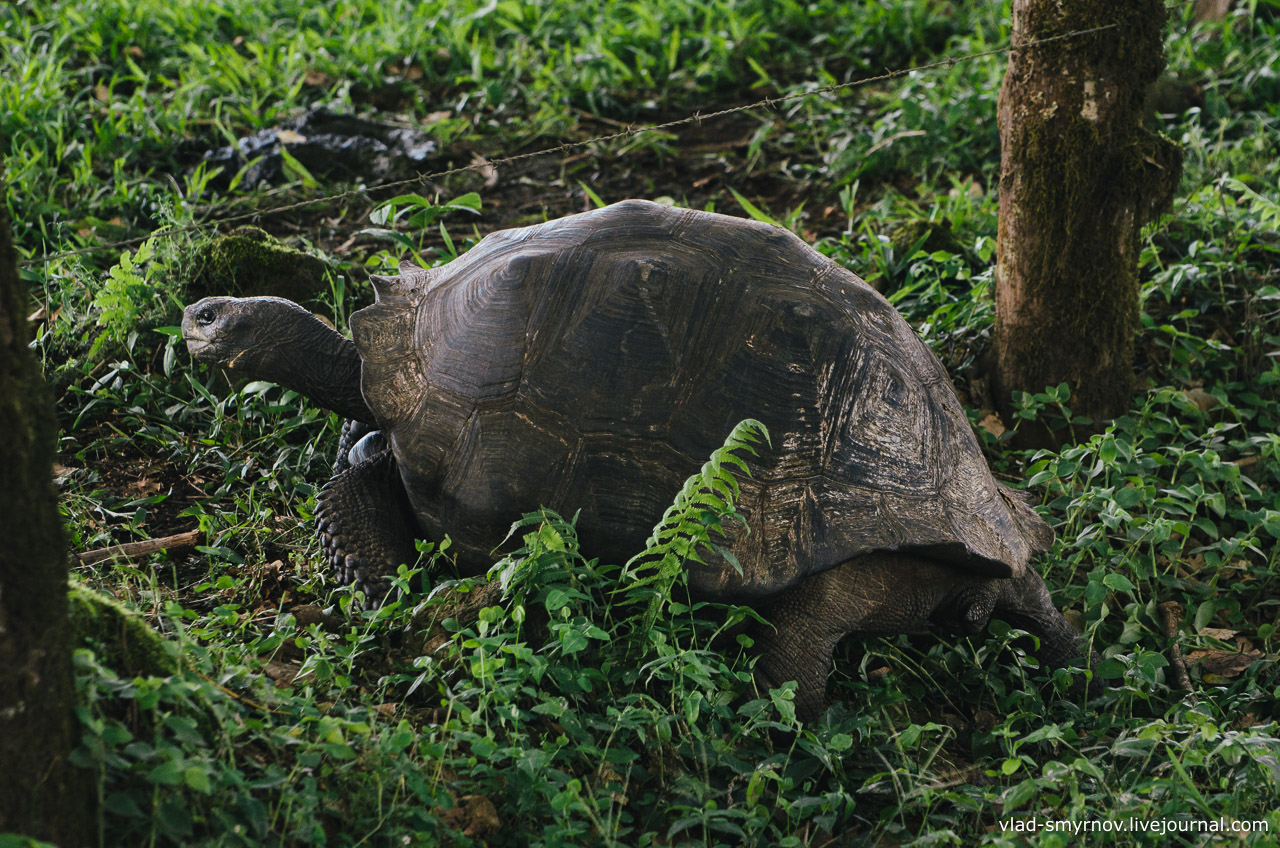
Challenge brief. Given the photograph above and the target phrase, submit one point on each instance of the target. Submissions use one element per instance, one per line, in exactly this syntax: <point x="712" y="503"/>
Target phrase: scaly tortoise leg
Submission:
<point x="887" y="594"/>
<point x="362" y="519"/>
<point x="353" y="433"/>
<point x="1025" y="603"/>
<point x="876" y="593"/>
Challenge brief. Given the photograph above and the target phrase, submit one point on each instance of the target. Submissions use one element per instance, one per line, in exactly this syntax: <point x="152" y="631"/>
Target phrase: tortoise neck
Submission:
<point x="318" y="362"/>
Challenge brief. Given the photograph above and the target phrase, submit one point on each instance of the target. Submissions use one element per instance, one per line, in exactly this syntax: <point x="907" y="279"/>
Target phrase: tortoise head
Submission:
<point x="269" y="338"/>
<point x="242" y="333"/>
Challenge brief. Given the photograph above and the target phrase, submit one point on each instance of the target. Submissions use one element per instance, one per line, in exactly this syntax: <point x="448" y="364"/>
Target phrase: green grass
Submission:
<point x="558" y="715"/>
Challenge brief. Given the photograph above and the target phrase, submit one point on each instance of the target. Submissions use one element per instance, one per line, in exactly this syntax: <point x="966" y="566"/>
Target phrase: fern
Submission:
<point x="130" y="287"/>
<point x="705" y="502"/>
<point x="549" y="571"/>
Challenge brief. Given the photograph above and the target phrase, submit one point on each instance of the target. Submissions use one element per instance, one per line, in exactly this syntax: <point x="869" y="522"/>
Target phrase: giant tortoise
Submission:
<point x="591" y="363"/>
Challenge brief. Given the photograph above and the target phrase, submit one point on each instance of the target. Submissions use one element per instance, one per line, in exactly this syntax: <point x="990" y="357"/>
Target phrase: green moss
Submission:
<point x="924" y="234"/>
<point x="1083" y="183"/>
<point x="248" y="262"/>
<point x="121" y="637"/>
<point x="1134" y="46"/>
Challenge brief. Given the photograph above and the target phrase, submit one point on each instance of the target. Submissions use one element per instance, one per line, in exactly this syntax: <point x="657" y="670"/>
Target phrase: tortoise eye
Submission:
<point x="206" y="316"/>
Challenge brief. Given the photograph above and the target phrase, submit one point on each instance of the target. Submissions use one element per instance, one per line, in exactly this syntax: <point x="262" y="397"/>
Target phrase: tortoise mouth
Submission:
<point x="193" y="333"/>
<point x="196" y="340"/>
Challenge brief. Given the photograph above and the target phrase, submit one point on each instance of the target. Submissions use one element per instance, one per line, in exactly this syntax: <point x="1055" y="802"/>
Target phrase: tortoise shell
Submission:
<point x="592" y="363"/>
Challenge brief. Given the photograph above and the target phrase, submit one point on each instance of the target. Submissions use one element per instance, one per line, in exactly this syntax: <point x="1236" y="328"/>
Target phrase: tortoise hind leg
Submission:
<point x="795" y="645"/>
<point x="362" y="519"/>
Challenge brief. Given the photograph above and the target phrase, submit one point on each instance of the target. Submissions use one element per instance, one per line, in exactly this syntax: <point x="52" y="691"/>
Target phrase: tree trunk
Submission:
<point x="41" y="793"/>
<point x="1079" y="177"/>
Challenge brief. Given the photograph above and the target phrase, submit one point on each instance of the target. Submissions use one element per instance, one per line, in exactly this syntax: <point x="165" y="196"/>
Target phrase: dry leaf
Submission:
<point x="145" y="485"/>
<point x="282" y="673"/>
<point x="1201" y="399"/>
<point x="309" y="614"/>
<point x="1220" y="666"/>
<point x="475" y="816"/>
<point x="408" y="70"/>
<point x="609" y="776"/>
<point x="290" y="137"/>
<point x="879" y="673"/>
<point x="970" y="187"/>
<point x="1194" y="563"/>
<point x="992" y="424"/>
<point x="484" y="169"/>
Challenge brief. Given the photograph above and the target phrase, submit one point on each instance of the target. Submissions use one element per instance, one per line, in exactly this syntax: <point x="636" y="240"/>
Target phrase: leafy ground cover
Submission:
<point x="561" y="716"/>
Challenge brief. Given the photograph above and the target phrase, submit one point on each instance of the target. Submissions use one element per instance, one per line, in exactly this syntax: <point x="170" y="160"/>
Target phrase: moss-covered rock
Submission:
<point x="924" y="234"/>
<point x="121" y="638"/>
<point x="931" y="236"/>
<point x="248" y="262"/>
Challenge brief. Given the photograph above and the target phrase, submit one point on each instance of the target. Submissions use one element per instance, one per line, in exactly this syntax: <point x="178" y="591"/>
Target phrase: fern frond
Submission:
<point x="701" y="506"/>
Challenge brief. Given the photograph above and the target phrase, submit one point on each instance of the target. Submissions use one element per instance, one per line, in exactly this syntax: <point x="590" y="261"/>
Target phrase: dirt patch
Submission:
<point x="124" y="480"/>
<point x="694" y="165"/>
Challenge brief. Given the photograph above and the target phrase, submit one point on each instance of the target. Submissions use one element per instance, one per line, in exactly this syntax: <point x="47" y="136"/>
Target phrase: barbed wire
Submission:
<point x="564" y="147"/>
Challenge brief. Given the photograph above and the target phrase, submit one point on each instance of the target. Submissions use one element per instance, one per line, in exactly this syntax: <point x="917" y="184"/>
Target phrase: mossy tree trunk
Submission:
<point x="41" y="793"/>
<point x="1079" y="177"/>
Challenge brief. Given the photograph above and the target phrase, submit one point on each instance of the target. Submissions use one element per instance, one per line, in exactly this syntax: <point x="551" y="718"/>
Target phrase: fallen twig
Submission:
<point x="1170" y="618"/>
<point x="133" y="550"/>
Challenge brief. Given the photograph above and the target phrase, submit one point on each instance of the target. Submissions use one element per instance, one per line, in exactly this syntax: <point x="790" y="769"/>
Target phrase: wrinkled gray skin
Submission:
<point x="278" y="341"/>
<point x="890" y="593"/>
<point x="362" y="514"/>
<point x="365" y="517"/>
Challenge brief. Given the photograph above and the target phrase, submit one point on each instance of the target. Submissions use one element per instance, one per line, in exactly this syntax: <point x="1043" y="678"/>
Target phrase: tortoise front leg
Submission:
<point x="363" y="521"/>
<point x="887" y="594"/>
<point x="1025" y="604"/>
<point x="352" y="432"/>
<point x="880" y="593"/>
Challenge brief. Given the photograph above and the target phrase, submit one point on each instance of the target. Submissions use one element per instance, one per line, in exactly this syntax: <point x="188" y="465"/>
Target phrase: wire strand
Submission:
<point x="565" y="147"/>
